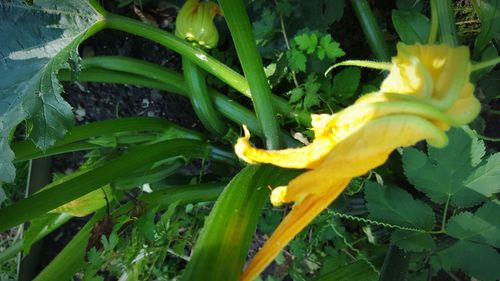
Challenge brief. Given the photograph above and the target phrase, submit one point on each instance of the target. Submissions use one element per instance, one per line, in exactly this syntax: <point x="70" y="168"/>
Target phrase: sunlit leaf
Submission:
<point x="40" y="38"/>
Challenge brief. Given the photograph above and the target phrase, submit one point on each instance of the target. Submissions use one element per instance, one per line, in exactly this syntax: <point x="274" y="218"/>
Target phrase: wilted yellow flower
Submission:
<point x="426" y="92"/>
<point x="437" y="75"/>
<point x="195" y="23"/>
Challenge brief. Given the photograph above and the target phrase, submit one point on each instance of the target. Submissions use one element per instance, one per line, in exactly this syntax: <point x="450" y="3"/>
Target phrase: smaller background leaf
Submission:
<point x="411" y="241"/>
<point x="297" y="60"/>
<point x="453" y="165"/>
<point x="412" y="27"/>
<point x="478" y="150"/>
<point x="477" y="260"/>
<point x="481" y="227"/>
<point x="396" y="206"/>
<point x="489" y="15"/>
<point x="486" y="178"/>
<point x="346" y="82"/>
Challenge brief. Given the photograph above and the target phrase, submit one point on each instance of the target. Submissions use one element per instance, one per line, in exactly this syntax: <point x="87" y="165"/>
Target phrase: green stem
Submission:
<point x="170" y="81"/>
<point x="173" y="82"/>
<point x="25" y="150"/>
<point x="446" y="18"/>
<point x="200" y="99"/>
<point x="362" y="63"/>
<point x="51" y="198"/>
<point x="476" y="135"/>
<point x="371" y="29"/>
<point x="184" y="194"/>
<point x="251" y="62"/>
<point x="485" y="64"/>
<point x="222" y="246"/>
<point x="197" y="56"/>
<point x="36" y="153"/>
<point x="434" y="24"/>
<point x="445" y="213"/>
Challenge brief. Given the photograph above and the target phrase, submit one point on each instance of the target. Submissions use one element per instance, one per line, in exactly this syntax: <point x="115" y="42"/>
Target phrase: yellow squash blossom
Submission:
<point x="427" y="91"/>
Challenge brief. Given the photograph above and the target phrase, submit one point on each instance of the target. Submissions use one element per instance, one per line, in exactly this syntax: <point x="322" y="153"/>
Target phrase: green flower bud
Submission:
<point x="195" y="23"/>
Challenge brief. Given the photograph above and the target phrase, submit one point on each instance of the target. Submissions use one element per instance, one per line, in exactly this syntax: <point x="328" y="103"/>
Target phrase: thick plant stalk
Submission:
<point x="251" y="62"/>
<point x="446" y="19"/>
<point x="371" y="29"/>
<point x="222" y="246"/>
<point x="200" y="99"/>
<point x="26" y="150"/>
<point x="199" y="57"/>
<point x="157" y="77"/>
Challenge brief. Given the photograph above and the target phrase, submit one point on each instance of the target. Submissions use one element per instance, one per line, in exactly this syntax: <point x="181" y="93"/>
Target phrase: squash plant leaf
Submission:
<point x="396" y="206"/>
<point x="29" y="61"/>
<point x="481" y="227"/>
<point x="478" y="260"/>
<point x="457" y="180"/>
<point x="411" y="241"/>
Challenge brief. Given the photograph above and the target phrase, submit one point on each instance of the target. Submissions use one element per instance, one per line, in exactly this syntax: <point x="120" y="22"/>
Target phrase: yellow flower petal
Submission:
<point x="435" y="73"/>
<point x="298" y="218"/>
<point x="466" y="108"/>
<point x="426" y="92"/>
<point x="298" y="158"/>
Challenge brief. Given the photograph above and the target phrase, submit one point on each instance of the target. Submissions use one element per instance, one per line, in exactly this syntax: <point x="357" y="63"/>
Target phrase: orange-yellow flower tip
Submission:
<point x="278" y="196"/>
<point x="243" y="145"/>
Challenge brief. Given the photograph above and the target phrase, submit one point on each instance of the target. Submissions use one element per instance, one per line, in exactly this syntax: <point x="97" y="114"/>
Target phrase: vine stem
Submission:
<point x="485" y="64"/>
<point x="434" y="24"/>
<point x="241" y="32"/>
<point x="371" y="29"/>
<point x="200" y="58"/>
<point x="445" y="213"/>
<point x="362" y="63"/>
<point x="446" y="18"/>
<point x="287" y="44"/>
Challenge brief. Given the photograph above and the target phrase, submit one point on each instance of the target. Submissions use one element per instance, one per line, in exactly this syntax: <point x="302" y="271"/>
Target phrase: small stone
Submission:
<point x="80" y="113"/>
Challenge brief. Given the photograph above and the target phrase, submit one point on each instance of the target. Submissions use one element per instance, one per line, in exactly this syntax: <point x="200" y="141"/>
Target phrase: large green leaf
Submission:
<point x="441" y="174"/>
<point x="396" y="206"/>
<point x="37" y="40"/>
